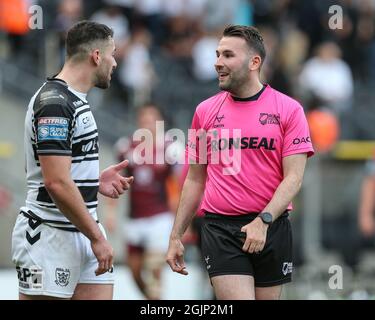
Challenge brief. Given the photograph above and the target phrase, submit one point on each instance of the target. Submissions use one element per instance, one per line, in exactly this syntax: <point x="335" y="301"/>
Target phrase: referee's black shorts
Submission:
<point x="222" y="249"/>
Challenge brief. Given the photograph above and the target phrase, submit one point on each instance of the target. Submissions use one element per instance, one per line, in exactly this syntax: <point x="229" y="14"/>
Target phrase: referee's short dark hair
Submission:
<point x="251" y="35"/>
<point x="83" y="37"/>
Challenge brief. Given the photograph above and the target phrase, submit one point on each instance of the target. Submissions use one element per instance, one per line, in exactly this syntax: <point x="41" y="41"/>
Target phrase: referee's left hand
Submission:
<point x="256" y="234"/>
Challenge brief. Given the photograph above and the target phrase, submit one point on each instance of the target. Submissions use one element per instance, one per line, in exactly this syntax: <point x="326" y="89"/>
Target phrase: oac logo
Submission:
<point x="62" y="277"/>
<point x="301" y="140"/>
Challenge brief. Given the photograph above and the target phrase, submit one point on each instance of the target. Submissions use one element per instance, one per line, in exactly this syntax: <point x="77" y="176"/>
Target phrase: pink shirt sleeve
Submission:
<point x="297" y="134"/>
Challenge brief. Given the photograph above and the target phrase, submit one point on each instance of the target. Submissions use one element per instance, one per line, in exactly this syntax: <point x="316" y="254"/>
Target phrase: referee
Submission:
<point x="246" y="234"/>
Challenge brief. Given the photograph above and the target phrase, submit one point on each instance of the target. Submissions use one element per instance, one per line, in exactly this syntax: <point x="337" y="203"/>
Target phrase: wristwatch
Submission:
<point x="266" y="217"/>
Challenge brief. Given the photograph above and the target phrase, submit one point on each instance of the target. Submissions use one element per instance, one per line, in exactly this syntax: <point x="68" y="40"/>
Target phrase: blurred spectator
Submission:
<point x="273" y="71"/>
<point x="14" y="19"/>
<point x="244" y="13"/>
<point x="153" y="199"/>
<point x="328" y="77"/>
<point x="69" y="12"/>
<point x="150" y="13"/>
<point x="14" y="16"/>
<point x="310" y="20"/>
<point x="187" y="30"/>
<point x="193" y="9"/>
<point x="366" y="217"/>
<point x="5" y="200"/>
<point x="112" y="17"/>
<point x="136" y="72"/>
<point x="219" y="13"/>
<point x="324" y="129"/>
<point x="204" y="56"/>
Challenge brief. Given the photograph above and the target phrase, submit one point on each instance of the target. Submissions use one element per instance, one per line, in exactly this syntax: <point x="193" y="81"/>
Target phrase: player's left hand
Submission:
<point x="111" y="183"/>
<point x="256" y="234"/>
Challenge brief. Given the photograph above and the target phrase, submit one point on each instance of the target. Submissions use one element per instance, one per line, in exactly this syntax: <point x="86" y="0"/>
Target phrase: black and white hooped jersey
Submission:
<point x="59" y="122"/>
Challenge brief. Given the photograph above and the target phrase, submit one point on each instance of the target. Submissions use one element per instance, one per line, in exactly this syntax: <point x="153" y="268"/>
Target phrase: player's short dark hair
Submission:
<point x="83" y="35"/>
<point x="251" y="35"/>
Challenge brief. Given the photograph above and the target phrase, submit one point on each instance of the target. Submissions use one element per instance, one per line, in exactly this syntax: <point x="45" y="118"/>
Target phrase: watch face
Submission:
<point x="266" y="217"/>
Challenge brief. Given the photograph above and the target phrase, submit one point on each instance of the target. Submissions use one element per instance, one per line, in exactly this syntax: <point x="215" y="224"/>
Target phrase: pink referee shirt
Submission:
<point x="246" y="141"/>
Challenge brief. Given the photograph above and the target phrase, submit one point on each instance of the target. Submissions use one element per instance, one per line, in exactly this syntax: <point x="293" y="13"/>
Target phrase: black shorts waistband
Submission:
<point x="242" y="217"/>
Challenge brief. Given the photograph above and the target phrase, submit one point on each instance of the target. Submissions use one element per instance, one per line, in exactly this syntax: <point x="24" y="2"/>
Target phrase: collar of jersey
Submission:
<point x="254" y="97"/>
<point x="57" y="80"/>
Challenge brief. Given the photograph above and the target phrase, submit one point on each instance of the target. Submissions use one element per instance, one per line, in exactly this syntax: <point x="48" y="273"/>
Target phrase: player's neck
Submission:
<point x="248" y="90"/>
<point x="76" y="76"/>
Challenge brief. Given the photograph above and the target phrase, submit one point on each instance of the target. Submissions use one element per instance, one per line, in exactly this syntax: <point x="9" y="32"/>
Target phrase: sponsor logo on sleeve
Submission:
<point x="53" y="128"/>
<point x="301" y="140"/>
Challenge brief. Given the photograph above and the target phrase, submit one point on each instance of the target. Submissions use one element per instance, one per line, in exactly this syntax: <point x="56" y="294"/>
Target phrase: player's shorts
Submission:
<point x="149" y="233"/>
<point x="52" y="261"/>
<point x="222" y="243"/>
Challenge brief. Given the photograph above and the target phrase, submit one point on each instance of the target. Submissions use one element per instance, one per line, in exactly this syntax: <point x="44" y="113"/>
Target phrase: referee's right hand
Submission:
<point x="175" y="256"/>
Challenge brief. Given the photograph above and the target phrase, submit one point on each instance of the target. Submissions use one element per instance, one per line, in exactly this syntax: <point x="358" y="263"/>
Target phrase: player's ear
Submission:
<point x="95" y="55"/>
<point x="255" y="62"/>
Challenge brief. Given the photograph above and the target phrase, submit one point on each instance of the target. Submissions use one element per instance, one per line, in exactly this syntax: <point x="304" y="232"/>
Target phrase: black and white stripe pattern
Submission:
<point x="82" y="146"/>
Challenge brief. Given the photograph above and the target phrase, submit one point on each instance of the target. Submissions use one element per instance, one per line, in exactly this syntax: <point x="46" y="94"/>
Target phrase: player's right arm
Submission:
<point x="66" y="196"/>
<point x="192" y="192"/>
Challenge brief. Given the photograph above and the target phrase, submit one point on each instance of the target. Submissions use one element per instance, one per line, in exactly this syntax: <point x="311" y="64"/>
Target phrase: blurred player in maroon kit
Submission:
<point x="153" y="201"/>
<point x="366" y="217"/>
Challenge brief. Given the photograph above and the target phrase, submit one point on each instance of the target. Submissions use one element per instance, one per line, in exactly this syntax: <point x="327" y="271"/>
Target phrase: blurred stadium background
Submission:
<point x="166" y="52"/>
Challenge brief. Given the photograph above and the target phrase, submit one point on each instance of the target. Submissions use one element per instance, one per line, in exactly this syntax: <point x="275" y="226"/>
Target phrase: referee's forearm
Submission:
<point x="283" y="195"/>
<point x="190" y="198"/>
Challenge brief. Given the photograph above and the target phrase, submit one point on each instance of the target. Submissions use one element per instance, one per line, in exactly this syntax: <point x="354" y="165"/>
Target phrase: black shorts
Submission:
<point x="222" y="249"/>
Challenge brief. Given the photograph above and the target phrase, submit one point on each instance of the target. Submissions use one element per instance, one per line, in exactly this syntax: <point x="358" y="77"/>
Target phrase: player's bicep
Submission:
<point x="294" y="165"/>
<point x="55" y="168"/>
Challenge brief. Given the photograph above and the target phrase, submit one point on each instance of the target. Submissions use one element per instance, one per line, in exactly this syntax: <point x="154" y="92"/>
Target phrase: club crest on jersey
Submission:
<point x="269" y="118"/>
<point x="53" y="128"/>
<point x="62" y="276"/>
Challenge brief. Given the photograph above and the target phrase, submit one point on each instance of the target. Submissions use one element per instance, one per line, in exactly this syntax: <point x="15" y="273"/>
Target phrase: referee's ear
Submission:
<point x="255" y="63"/>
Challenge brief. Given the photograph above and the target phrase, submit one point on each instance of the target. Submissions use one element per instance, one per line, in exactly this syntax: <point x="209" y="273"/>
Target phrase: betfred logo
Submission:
<point x="53" y="120"/>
